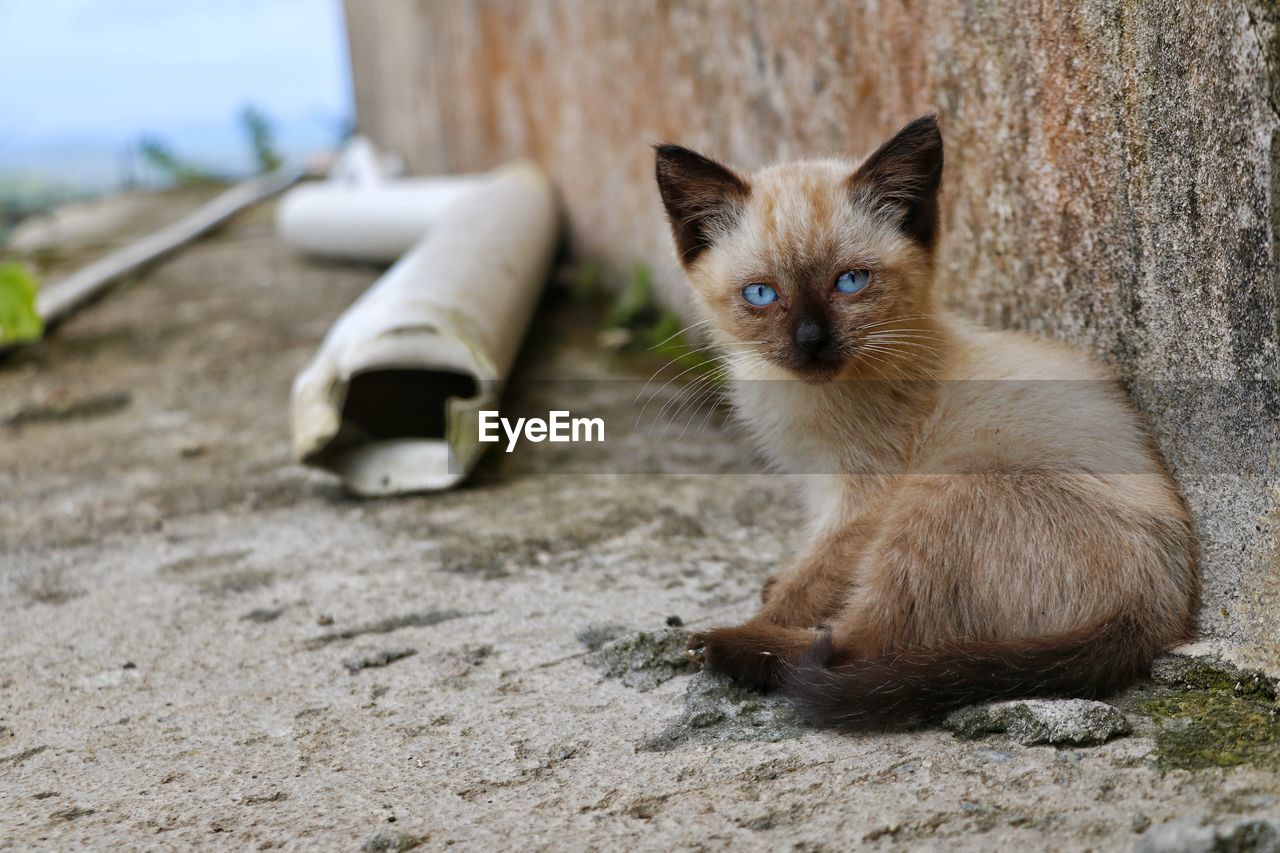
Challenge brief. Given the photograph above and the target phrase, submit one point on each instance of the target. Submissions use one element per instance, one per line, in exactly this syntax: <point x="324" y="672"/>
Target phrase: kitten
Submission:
<point x="979" y="532"/>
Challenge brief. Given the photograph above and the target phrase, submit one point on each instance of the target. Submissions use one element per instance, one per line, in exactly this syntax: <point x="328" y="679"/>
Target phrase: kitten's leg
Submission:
<point x="766" y="591"/>
<point x="804" y="596"/>
<point x="755" y="653"/>
<point x="814" y="588"/>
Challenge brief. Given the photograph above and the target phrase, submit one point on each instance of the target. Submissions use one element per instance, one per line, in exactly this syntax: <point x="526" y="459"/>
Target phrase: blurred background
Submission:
<point x="1111" y="174"/>
<point x="181" y="602"/>
<point x="105" y="95"/>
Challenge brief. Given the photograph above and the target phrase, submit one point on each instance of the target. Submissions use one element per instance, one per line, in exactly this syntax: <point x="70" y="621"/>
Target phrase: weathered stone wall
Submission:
<point x="1112" y="176"/>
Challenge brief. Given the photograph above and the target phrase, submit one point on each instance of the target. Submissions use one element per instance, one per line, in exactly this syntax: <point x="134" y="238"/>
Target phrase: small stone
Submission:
<point x="474" y="654"/>
<point x="1182" y="835"/>
<point x="324" y="620"/>
<point x="1190" y="672"/>
<point x="391" y="840"/>
<point x="1059" y="722"/>
<point x="191" y="449"/>
<point x="1196" y="834"/>
<point x="376" y="658"/>
<point x="262" y="615"/>
<point x="1257" y="834"/>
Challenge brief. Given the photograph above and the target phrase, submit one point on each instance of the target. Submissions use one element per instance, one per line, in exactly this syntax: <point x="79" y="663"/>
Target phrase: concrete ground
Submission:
<point x="202" y="644"/>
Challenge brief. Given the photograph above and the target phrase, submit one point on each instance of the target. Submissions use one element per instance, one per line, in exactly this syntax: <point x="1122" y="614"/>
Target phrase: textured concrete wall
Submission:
<point x="1112" y="177"/>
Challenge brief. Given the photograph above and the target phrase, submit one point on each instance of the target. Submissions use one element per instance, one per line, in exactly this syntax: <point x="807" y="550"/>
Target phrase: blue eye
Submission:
<point x="759" y="294"/>
<point x="852" y="281"/>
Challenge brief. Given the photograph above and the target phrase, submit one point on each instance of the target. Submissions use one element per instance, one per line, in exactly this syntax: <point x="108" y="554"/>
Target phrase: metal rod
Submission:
<point x="60" y="298"/>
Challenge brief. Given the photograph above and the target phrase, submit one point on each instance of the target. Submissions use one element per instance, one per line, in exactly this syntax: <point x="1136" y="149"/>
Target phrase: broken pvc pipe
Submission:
<point x="391" y="401"/>
<point x="361" y="213"/>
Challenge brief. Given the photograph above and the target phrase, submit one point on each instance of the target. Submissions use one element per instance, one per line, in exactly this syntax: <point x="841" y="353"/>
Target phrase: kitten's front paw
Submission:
<point x="736" y="652"/>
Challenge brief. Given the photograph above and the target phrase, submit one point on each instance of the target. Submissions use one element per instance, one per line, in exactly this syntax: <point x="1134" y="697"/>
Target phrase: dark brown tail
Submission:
<point x="912" y="686"/>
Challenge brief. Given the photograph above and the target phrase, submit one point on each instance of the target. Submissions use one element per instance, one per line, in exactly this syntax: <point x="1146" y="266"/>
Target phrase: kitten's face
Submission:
<point x="810" y="267"/>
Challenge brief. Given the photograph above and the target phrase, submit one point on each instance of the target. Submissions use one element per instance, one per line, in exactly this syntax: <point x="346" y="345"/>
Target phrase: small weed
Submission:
<point x="19" y="320"/>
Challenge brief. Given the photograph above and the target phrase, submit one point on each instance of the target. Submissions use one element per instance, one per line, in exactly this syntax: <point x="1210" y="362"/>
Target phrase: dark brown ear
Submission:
<point x="702" y="198"/>
<point x="903" y="177"/>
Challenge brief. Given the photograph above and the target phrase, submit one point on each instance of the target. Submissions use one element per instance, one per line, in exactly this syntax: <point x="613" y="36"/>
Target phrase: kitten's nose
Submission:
<point x="810" y="337"/>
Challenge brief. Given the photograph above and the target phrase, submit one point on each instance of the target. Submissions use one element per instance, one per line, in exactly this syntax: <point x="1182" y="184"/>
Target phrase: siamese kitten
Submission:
<point x="981" y="529"/>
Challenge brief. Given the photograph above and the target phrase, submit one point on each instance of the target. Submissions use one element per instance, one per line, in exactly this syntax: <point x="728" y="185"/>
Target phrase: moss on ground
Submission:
<point x="1210" y="715"/>
<point x="1193" y="673"/>
<point x="1213" y="728"/>
<point x="643" y="660"/>
<point x="718" y="711"/>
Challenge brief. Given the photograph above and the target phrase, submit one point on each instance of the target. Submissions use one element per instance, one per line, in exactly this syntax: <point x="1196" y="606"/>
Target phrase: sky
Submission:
<point x="81" y="79"/>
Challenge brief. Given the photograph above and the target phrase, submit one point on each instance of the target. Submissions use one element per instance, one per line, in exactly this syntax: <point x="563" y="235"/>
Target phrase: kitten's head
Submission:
<point x="821" y="268"/>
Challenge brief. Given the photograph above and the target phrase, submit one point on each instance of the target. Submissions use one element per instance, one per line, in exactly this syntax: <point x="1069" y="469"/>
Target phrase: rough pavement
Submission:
<point x="204" y="644"/>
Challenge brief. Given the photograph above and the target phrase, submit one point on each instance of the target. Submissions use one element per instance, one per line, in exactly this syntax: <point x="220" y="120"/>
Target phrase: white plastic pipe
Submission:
<point x="367" y="220"/>
<point x="360" y="164"/>
<point x="391" y="401"/>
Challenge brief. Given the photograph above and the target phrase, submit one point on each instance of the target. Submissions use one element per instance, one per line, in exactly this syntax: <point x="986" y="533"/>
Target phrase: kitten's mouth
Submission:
<point x="816" y="368"/>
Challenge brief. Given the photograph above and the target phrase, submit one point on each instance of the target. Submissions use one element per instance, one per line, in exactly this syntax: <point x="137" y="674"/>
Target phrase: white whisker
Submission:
<point x="723" y="366"/>
<point x="905" y="343"/>
<point x="679" y="333"/>
<point x="660" y="390"/>
<point x="690" y="393"/>
<point x="672" y="362"/>
<point x="894" y="320"/>
<point x="708" y="394"/>
<point x="864" y="354"/>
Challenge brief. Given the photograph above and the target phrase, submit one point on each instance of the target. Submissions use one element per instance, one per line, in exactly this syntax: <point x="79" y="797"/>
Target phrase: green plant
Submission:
<point x="637" y="308"/>
<point x="261" y="139"/>
<point x="18" y="318"/>
<point x="653" y="327"/>
<point x="157" y="154"/>
<point x="585" y="281"/>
